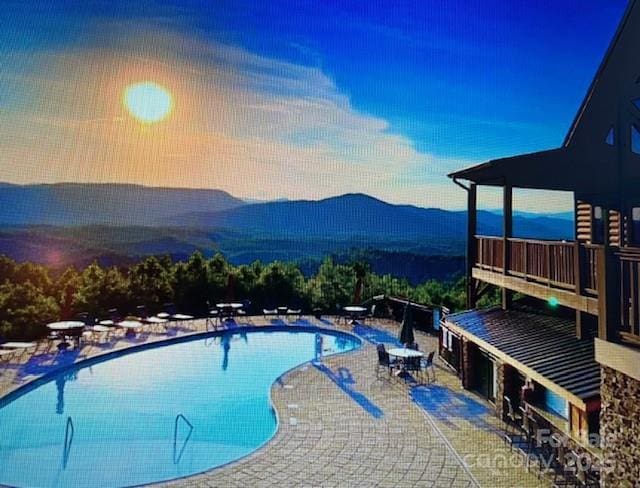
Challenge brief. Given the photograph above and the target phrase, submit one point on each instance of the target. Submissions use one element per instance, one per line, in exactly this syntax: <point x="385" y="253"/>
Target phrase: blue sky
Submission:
<point x="294" y="99"/>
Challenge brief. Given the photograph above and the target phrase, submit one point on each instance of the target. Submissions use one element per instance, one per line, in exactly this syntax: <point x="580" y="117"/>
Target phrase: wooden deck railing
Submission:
<point x="552" y="263"/>
<point x="490" y="253"/>
<point x="630" y="296"/>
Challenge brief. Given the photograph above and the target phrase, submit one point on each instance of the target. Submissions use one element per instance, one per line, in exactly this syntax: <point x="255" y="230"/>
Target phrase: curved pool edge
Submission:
<point x="31" y="384"/>
<point x="274" y="409"/>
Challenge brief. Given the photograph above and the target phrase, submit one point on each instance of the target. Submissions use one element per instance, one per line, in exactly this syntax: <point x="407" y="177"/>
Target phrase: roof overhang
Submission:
<point x="563" y="169"/>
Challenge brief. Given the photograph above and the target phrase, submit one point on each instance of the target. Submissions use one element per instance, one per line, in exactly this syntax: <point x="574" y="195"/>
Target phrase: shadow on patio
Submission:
<point x="451" y="408"/>
<point x="344" y="379"/>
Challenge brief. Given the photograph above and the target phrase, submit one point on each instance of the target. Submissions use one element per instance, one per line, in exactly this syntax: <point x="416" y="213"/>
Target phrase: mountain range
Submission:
<point x="76" y="223"/>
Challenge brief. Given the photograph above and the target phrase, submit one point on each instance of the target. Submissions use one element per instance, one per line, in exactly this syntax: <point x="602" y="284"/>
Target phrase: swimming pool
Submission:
<point x="155" y="414"/>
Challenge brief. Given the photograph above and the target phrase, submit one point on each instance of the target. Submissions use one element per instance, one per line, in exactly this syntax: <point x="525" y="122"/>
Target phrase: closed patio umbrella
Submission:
<point x="406" y="331"/>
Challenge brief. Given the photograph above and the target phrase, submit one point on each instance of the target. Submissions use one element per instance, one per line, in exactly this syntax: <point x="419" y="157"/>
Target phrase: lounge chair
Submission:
<point x="295" y="309"/>
<point x="270" y="309"/>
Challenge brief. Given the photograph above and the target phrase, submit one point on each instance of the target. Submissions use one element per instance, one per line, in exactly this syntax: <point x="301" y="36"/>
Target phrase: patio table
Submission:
<point x="18" y="345"/>
<point x="67" y="328"/>
<point x="228" y="310"/>
<point x="131" y="326"/>
<point x="404" y="353"/>
<point x="65" y="325"/>
<point x="354" y="312"/>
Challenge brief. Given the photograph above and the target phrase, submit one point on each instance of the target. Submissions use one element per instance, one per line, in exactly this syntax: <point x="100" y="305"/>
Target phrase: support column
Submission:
<point x="472" y="247"/>
<point x="507" y="215"/>
<point x="468" y="364"/>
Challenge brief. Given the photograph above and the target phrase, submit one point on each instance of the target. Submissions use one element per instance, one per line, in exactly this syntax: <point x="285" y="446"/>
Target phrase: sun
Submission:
<point x="148" y="102"/>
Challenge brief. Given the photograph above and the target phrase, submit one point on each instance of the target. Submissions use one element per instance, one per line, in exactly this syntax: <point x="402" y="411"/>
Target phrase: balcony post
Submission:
<point x="507" y="215"/>
<point x="581" y="317"/>
<point x="472" y="246"/>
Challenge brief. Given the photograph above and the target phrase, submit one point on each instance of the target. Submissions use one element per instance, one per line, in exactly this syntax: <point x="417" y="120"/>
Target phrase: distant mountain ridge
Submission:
<point x="357" y="214"/>
<point x="352" y="214"/>
<point x="71" y="204"/>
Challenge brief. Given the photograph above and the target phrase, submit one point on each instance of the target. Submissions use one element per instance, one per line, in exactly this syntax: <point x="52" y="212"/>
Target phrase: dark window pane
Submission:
<point x="635" y="225"/>
<point x="635" y="139"/>
<point x="611" y="139"/>
<point x="598" y="225"/>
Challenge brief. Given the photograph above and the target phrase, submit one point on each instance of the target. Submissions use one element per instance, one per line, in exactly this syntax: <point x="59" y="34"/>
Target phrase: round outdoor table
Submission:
<point x="228" y="309"/>
<point x="131" y="326"/>
<point x="354" y="312"/>
<point x="282" y="310"/>
<point x="65" y="326"/>
<point x="233" y="306"/>
<point x="404" y="353"/>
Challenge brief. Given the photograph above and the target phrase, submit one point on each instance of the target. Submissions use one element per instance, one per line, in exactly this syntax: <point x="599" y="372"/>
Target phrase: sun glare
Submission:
<point x="148" y="102"/>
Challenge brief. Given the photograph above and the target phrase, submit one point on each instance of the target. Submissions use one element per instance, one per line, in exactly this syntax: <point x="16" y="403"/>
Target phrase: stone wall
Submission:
<point x="468" y="363"/>
<point x="620" y="429"/>
<point x="504" y="387"/>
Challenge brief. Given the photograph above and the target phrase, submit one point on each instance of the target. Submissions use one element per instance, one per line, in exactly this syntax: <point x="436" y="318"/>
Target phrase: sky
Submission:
<point x="294" y="99"/>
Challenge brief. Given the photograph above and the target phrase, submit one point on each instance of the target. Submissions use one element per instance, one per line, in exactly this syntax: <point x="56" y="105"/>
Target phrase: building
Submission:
<point x="570" y="314"/>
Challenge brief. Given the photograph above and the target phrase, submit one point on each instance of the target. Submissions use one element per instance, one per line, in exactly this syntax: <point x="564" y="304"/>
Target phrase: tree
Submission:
<point x="150" y="283"/>
<point x="100" y="290"/>
<point x="281" y="284"/>
<point x="192" y="286"/>
<point x="360" y="269"/>
<point x="64" y="291"/>
<point x="332" y="286"/>
<point x="25" y="310"/>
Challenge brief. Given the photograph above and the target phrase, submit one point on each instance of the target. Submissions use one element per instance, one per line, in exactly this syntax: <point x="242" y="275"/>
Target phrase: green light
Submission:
<point x="553" y="302"/>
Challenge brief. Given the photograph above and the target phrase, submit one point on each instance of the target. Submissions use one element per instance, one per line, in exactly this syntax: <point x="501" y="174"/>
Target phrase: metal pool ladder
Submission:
<point x="68" y="440"/>
<point x="178" y="455"/>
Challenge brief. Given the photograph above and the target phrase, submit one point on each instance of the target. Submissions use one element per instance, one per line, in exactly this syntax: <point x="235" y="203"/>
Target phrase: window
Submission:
<point x="611" y="138"/>
<point x="635" y="139"/>
<point x="635" y="226"/>
<point x="556" y="404"/>
<point x="598" y="225"/>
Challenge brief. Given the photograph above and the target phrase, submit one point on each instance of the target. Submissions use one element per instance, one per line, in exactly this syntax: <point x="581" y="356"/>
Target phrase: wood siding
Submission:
<point x="583" y="222"/>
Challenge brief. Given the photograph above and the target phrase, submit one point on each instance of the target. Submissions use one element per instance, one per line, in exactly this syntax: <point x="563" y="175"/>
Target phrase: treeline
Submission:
<point x="32" y="296"/>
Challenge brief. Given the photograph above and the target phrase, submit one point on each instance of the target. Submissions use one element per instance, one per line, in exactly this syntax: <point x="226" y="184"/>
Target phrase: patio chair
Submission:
<point x="384" y="360"/>
<point x="6" y="353"/>
<point x="91" y="327"/>
<point x="170" y="313"/>
<point x="427" y="365"/>
<point x="213" y="316"/>
<point x="512" y="421"/>
<point x="113" y="318"/>
<point x="143" y="316"/>
<point x="413" y="365"/>
<point x="246" y="306"/>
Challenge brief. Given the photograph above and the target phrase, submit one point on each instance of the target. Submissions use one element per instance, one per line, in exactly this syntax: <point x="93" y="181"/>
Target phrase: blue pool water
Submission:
<point x="123" y="410"/>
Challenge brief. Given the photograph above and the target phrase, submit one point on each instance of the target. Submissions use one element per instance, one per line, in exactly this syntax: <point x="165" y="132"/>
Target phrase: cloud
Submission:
<point x="255" y="126"/>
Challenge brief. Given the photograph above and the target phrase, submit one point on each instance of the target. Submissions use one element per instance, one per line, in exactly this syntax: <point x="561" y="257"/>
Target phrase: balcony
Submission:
<point x="566" y="271"/>
<point x="630" y="296"/>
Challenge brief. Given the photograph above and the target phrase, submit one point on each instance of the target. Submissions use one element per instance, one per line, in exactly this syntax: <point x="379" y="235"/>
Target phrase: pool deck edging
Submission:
<point x="32" y="383"/>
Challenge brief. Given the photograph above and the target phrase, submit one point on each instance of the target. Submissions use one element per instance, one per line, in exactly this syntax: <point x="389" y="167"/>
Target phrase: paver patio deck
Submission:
<point x="342" y="425"/>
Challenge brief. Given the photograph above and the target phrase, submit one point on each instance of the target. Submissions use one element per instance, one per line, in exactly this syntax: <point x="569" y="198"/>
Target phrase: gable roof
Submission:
<point x="585" y="162"/>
